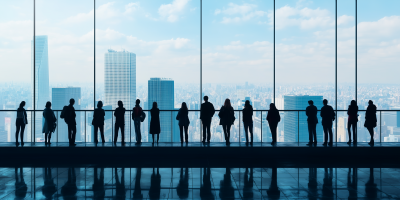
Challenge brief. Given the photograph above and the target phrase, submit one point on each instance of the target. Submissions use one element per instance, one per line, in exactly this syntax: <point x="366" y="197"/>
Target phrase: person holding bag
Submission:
<point x="138" y="116"/>
<point x="370" y="120"/>
<point x="227" y="118"/>
<point x="184" y="122"/>
<point x="49" y="125"/>
<point x="98" y="121"/>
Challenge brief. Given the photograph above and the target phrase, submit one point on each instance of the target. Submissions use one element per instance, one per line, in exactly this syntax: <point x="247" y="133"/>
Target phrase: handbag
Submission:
<point x="142" y="116"/>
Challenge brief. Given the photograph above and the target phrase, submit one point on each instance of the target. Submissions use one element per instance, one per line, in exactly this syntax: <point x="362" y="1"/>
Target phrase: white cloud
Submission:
<point x="171" y="12"/>
<point x="105" y="11"/>
<point x="243" y="13"/>
<point x="305" y="18"/>
<point x="131" y="8"/>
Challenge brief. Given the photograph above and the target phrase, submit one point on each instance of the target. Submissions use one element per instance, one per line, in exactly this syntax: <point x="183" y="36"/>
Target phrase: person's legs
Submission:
<point x="246" y="131"/>
<point x="208" y="132"/>
<point x="49" y="137"/>
<point x="45" y="137"/>
<point x="325" y="134"/>
<point x="73" y="134"/>
<point x="330" y="135"/>
<point x="349" y="130"/>
<point x="102" y="133"/>
<point x="69" y="133"/>
<point x="152" y="135"/>
<point x="225" y="134"/>
<point x="137" y="130"/>
<point x="273" y="127"/>
<point x="22" y="133"/>
<point x="314" y="131"/>
<point x="158" y="137"/>
<point x="228" y="130"/>
<point x="181" y="133"/>
<point x="122" y="133"/>
<point x="251" y="132"/>
<point x="96" y="128"/>
<point x="16" y="133"/>
<point x="116" y="133"/>
<point x="371" y="133"/>
<point x="204" y="132"/>
<point x="186" y="133"/>
<point x="355" y="131"/>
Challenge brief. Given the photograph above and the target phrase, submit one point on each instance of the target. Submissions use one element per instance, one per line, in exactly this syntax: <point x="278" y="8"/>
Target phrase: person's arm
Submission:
<point x="307" y="111"/>
<point x="115" y="113"/>
<point x="26" y="118"/>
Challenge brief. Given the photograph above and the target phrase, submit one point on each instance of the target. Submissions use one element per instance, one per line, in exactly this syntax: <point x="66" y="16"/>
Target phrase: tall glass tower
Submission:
<point x="161" y="90"/>
<point x="120" y="82"/>
<point x="292" y="127"/>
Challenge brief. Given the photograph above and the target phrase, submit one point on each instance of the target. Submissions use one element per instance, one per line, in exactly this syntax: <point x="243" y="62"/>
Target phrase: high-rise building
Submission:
<point x="120" y="82"/>
<point x="296" y="123"/>
<point x="161" y="90"/>
<point x="60" y="98"/>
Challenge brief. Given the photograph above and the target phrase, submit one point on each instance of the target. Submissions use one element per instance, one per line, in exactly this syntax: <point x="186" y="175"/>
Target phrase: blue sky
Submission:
<point x="237" y="39"/>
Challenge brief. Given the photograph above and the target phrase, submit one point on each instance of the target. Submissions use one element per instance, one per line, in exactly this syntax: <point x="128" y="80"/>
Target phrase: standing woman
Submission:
<point x="273" y="119"/>
<point x="49" y="125"/>
<point x="183" y="121"/>
<point x="352" y="112"/>
<point x="370" y="120"/>
<point x="227" y="117"/>
<point x="21" y="121"/>
<point x="98" y="121"/>
<point x="155" y="122"/>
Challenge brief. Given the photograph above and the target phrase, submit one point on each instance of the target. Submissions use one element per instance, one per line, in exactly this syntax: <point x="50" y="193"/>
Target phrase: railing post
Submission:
<point x="380" y="126"/>
<point x="130" y="127"/>
<point x="58" y="125"/>
<point x="112" y="127"/>
<point x="172" y="134"/>
<point x="261" y="128"/>
<point x="298" y="127"/>
<point x="85" y="127"/>
<point x="239" y="128"/>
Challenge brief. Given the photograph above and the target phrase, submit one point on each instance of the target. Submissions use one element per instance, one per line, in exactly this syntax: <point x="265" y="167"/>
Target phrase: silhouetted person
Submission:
<point x="312" y="183"/>
<point x="183" y="186"/>
<point x="49" y="188"/>
<point x="328" y="116"/>
<point x="49" y="125"/>
<point x="226" y="190"/>
<point x="137" y="117"/>
<point x="119" y="114"/>
<point x="98" y="184"/>
<point x="137" y="193"/>
<point x="120" y="191"/>
<point x="183" y="117"/>
<point x="155" y="128"/>
<point x="98" y="122"/>
<point x="207" y="111"/>
<point x="370" y="120"/>
<point x="312" y="120"/>
<point x="352" y="184"/>
<point x="352" y="112"/>
<point x="273" y="190"/>
<point x="20" y="122"/>
<point x="20" y="185"/>
<point x="248" y="121"/>
<point x="273" y="119"/>
<point x="371" y="191"/>
<point x="155" y="185"/>
<point x="227" y="118"/>
<point x="69" y="189"/>
<point x="248" y="184"/>
<point x="69" y="116"/>
<point x="327" y="190"/>
<point x="205" y="188"/>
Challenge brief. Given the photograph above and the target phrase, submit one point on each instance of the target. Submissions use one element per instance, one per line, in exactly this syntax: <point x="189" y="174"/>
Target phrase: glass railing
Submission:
<point x="292" y="127"/>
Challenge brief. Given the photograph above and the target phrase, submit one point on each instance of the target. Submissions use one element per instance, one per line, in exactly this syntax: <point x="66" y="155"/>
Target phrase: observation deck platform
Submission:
<point x="198" y="155"/>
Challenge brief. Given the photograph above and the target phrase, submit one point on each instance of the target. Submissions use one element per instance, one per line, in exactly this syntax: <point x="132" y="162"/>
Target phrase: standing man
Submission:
<point x="206" y="113"/>
<point x="70" y="119"/>
<point x="312" y="120"/>
<point x="119" y="114"/>
<point x="328" y="116"/>
<point x="137" y="115"/>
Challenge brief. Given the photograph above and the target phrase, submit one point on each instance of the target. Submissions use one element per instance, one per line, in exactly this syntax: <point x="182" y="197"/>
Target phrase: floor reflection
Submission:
<point x="199" y="183"/>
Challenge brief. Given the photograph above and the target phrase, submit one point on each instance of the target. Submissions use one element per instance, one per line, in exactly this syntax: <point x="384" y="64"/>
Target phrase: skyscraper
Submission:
<point x="296" y="123"/>
<point x="60" y="98"/>
<point x="120" y="82"/>
<point x="161" y="90"/>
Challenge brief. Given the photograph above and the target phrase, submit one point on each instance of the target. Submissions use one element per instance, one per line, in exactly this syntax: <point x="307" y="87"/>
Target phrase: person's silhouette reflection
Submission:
<point x="273" y="190"/>
<point x="352" y="183"/>
<point x="312" y="184"/>
<point x="68" y="191"/>
<point x="20" y="185"/>
<point x="226" y="189"/>
<point x="155" y="185"/>
<point x="137" y="193"/>
<point x="120" y="185"/>
<point x="248" y="184"/>
<point x="371" y="191"/>
<point x="98" y="184"/>
<point x="205" y="189"/>
<point x="183" y="185"/>
<point x="49" y="188"/>
<point x="327" y="190"/>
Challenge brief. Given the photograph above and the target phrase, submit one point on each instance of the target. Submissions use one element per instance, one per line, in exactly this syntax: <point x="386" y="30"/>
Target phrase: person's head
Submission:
<point x="72" y="101"/>
<point x="227" y="103"/>
<point x="154" y="104"/>
<point x="22" y="104"/>
<point x="48" y="104"/>
<point x="370" y="102"/>
<point x="247" y="103"/>
<point x="311" y="102"/>
<point x="205" y="98"/>
<point x="272" y="106"/>
<point x="100" y="104"/>
<point x="325" y="102"/>
<point x="137" y="101"/>
<point x="184" y="106"/>
<point x="120" y="104"/>
<point x="353" y="103"/>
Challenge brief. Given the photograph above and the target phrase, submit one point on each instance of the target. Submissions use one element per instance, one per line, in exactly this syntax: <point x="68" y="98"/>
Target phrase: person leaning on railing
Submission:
<point x="273" y="119"/>
<point x="20" y="123"/>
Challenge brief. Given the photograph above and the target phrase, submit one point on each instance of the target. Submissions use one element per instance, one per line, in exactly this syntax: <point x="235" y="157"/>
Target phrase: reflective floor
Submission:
<point x="199" y="183"/>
